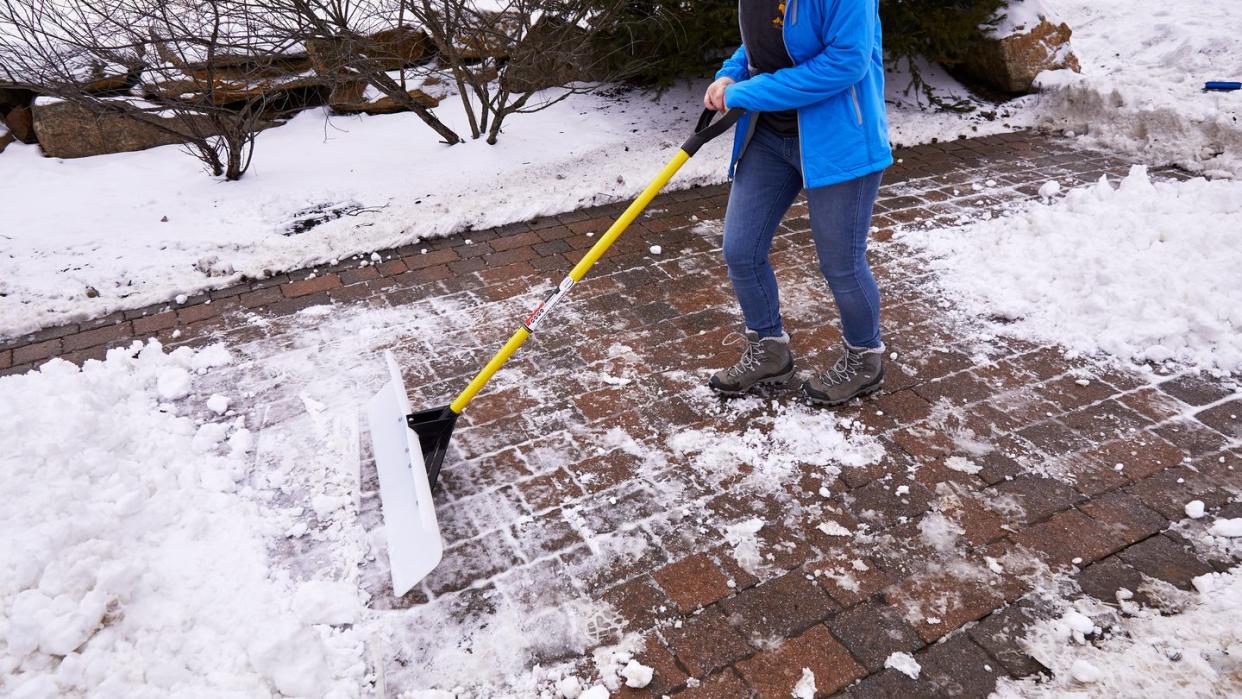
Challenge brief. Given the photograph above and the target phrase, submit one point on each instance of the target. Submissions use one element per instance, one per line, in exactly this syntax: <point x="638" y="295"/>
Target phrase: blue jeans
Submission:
<point x="767" y="180"/>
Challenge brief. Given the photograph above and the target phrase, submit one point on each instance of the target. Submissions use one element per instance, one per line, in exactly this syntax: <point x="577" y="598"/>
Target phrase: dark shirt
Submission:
<point x="762" y="23"/>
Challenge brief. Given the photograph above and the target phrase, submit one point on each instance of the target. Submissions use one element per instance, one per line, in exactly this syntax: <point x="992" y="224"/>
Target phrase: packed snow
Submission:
<point x="137" y="563"/>
<point x="1144" y="63"/>
<point x="636" y="674"/>
<point x="1229" y="528"/>
<point x="962" y="465"/>
<point x="905" y="664"/>
<point x="774" y="448"/>
<point x="1144" y="271"/>
<point x="805" y="688"/>
<point x="1094" y="651"/>
<point x="154" y="547"/>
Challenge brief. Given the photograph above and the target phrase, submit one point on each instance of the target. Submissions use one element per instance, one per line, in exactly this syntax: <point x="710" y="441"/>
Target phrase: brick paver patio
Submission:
<point x="533" y="466"/>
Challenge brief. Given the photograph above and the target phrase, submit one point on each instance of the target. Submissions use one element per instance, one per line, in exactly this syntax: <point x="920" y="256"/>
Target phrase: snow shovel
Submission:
<point x="409" y="447"/>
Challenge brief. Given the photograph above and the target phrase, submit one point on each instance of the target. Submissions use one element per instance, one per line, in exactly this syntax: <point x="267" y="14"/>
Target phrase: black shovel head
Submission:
<point x="434" y="429"/>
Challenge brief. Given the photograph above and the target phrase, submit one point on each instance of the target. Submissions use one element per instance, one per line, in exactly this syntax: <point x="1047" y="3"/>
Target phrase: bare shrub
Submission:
<point x="209" y="73"/>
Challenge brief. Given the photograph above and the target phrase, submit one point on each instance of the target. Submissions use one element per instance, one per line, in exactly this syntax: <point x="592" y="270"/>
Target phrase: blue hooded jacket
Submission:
<point x="836" y="84"/>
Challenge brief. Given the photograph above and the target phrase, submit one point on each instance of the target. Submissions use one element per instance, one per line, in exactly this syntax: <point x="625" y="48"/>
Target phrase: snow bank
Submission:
<point x="129" y="564"/>
<point x="1147" y="655"/>
<point x="1144" y="63"/>
<point x="171" y="230"/>
<point x="1145" y="271"/>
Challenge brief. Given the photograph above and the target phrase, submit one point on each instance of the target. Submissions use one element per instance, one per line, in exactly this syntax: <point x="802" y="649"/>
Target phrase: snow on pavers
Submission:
<point x="580" y="539"/>
<point x="1145" y="271"/>
<point x="1094" y="649"/>
<point x="136" y="552"/>
<point x="188" y="233"/>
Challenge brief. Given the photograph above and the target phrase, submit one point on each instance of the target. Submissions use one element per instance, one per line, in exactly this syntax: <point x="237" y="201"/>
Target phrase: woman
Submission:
<point x="810" y="76"/>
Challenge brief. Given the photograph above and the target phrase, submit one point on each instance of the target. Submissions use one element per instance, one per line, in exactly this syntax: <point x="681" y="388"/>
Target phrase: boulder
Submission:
<point x="347" y="93"/>
<point x="383" y="105"/>
<point x="487" y="34"/>
<point x="118" y="84"/>
<point x="20" y="121"/>
<point x="67" y="130"/>
<point x="390" y="49"/>
<point x="1010" y="63"/>
<point x="233" y="66"/>
<point x="282" y="94"/>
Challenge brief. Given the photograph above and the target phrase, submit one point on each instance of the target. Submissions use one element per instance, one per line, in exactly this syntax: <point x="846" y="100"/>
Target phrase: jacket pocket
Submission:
<point x="855" y="105"/>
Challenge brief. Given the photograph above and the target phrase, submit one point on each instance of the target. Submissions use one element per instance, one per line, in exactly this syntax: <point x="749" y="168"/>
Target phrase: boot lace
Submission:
<point x="845" y="369"/>
<point x="752" y="355"/>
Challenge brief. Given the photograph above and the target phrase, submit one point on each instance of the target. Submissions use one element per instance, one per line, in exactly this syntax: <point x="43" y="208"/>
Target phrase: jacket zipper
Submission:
<point x="857" y="108"/>
<point x="750" y="123"/>
<point x="791" y="17"/>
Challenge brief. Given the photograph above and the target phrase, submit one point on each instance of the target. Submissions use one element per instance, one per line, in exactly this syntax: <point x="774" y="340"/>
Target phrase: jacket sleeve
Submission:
<point x="736" y="66"/>
<point x="850" y="41"/>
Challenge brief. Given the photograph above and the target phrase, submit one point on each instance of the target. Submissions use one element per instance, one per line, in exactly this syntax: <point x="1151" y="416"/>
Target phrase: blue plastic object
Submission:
<point x="1222" y="86"/>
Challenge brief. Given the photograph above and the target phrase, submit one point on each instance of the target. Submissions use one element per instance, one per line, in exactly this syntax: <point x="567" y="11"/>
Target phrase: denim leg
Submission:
<point x="764" y="187"/>
<point x="840" y="225"/>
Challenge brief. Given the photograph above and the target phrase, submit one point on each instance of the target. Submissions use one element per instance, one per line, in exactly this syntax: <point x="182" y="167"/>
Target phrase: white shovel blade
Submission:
<point x="414" y="543"/>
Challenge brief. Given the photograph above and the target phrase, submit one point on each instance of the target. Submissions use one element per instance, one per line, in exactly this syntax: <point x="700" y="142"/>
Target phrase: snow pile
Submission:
<point x="637" y="675"/>
<point x="905" y="664"/>
<point x="1021" y="16"/>
<point x="130" y="565"/>
<point x="1144" y="655"/>
<point x="742" y="536"/>
<point x="962" y="464"/>
<point x="770" y="451"/>
<point x="1228" y="528"/>
<point x="805" y="689"/>
<point x="1144" y="63"/>
<point x="940" y="532"/>
<point x="1145" y="271"/>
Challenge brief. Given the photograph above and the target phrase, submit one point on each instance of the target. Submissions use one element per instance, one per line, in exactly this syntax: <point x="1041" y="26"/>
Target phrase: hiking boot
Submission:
<point x="859" y="372"/>
<point x="766" y="361"/>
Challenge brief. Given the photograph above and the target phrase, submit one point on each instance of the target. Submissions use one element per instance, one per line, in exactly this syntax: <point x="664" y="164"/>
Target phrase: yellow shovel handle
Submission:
<point x="577" y="274"/>
<point x="703" y="132"/>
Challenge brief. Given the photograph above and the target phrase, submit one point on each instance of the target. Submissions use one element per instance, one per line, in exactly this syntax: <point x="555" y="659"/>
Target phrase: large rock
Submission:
<point x="284" y="93"/>
<point x="233" y="66"/>
<point x="486" y="34"/>
<point x="1011" y="63"/>
<point x="20" y="121"/>
<point x="355" y="102"/>
<point x="67" y="130"/>
<point x="112" y="84"/>
<point x="390" y="49"/>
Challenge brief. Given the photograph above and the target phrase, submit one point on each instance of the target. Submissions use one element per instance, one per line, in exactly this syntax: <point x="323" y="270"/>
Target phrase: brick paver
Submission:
<point x="1085" y="479"/>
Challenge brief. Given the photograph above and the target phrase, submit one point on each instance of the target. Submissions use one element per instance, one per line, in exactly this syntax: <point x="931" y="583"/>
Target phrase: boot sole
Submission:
<point x="781" y="380"/>
<point x="862" y="393"/>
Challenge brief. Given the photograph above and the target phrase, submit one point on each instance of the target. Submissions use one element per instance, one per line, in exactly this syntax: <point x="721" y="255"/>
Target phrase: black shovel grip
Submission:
<point x="706" y="130"/>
